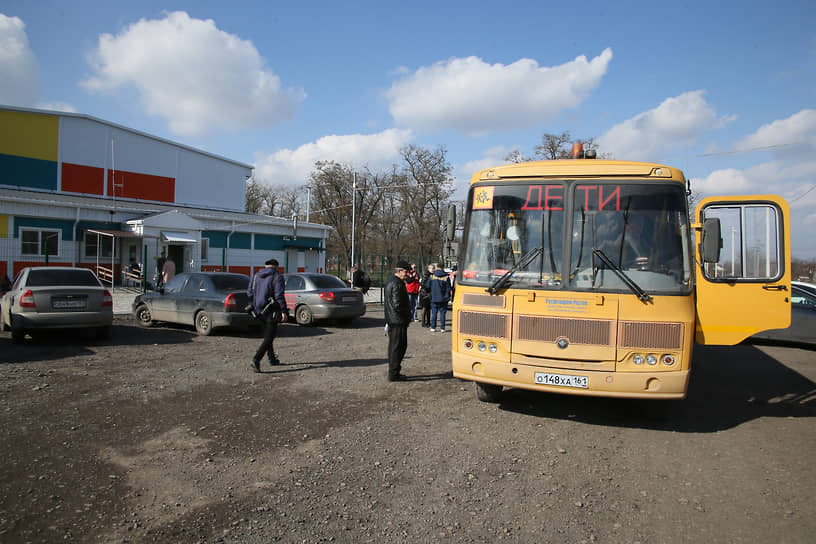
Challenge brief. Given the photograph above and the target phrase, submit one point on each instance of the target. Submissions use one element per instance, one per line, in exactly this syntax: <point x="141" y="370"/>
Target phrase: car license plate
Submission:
<point x="349" y="299"/>
<point x="561" y="380"/>
<point x="68" y="304"/>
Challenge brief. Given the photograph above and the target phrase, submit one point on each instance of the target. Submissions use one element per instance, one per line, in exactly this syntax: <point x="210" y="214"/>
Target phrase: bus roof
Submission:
<point x="579" y="168"/>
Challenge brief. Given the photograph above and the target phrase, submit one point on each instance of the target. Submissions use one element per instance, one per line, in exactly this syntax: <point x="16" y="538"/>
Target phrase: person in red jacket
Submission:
<point x="412" y="286"/>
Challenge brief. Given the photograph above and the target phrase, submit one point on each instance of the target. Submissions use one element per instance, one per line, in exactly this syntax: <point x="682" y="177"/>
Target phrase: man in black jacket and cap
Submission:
<point x="267" y="289"/>
<point x="398" y="316"/>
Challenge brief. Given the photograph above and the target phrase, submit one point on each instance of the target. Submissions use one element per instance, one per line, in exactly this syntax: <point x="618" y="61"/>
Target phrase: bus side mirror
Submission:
<point x="711" y="242"/>
<point x="450" y="227"/>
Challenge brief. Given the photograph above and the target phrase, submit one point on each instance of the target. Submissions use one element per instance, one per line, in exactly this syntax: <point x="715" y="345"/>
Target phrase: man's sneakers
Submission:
<point x="432" y="329"/>
<point x="398" y="378"/>
<point x="442" y="330"/>
<point x="274" y="361"/>
<point x="256" y="365"/>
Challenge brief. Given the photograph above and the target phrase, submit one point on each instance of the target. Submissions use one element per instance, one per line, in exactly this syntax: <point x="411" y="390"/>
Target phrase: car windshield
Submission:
<point x="587" y="235"/>
<point x="327" y="282"/>
<point x="230" y="283"/>
<point x="62" y="276"/>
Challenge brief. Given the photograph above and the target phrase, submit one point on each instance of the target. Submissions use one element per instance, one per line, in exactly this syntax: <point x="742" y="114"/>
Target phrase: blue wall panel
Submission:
<point x="25" y="172"/>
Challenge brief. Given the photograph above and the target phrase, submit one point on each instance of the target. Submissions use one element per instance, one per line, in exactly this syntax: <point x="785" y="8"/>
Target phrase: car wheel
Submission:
<point x="487" y="392"/>
<point x="303" y="315"/>
<point x="203" y="323"/>
<point x="143" y="317"/>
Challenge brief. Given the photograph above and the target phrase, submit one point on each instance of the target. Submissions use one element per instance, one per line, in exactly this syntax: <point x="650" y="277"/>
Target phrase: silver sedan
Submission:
<point x="322" y="296"/>
<point x="55" y="298"/>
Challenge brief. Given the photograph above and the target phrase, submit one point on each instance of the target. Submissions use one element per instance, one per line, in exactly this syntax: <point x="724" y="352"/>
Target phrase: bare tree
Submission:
<point x="260" y="198"/>
<point x="516" y="156"/>
<point x="426" y="195"/>
<point x="332" y="186"/>
<point x="553" y="146"/>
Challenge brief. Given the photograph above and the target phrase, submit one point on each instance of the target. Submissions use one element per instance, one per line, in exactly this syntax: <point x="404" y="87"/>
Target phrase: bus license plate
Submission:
<point x="561" y="380"/>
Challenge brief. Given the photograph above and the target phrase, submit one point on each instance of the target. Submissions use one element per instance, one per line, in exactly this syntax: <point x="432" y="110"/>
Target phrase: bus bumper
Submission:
<point x="643" y="385"/>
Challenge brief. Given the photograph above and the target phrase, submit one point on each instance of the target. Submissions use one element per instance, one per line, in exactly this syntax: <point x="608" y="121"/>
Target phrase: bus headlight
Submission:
<point x="482" y="346"/>
<point x="651" y="359"/>
<point x="638" y="359"/>
<point x="493" y="348"/>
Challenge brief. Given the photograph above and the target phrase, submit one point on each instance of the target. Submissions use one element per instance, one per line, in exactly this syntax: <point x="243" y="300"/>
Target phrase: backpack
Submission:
<point x="365" y="283"/>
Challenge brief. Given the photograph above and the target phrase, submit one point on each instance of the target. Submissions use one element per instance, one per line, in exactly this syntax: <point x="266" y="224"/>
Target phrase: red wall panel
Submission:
<point x="142" y="186"/>
<point x="83" y="179"/>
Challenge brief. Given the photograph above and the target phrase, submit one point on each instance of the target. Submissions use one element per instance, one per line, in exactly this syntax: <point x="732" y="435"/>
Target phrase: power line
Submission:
<point x="746" y="150"/>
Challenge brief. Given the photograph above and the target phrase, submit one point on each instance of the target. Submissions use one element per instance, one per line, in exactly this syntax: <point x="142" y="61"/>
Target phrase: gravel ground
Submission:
<point x="159" y="435"/>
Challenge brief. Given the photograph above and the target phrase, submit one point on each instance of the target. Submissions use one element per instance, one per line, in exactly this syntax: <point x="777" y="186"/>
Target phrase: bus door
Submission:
<point x="572" y="327"/>
<point x="743" y="267"/>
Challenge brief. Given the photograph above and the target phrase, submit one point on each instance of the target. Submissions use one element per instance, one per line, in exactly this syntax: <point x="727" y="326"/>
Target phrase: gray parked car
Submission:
<point x="55" y="298"/>
<point x="206" y="300"/>
<point x="321" y="296"/>
<point x="803" y="319"/>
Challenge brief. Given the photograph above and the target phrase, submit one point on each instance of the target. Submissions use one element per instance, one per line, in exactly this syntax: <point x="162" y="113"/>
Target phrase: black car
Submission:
<point x="802" y="329"/>
<point x="207" y="300"/>
<point x="322" y="296"/>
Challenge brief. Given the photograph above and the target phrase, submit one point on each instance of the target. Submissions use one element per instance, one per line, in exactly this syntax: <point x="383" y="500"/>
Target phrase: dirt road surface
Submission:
<point x="159" y="435"/>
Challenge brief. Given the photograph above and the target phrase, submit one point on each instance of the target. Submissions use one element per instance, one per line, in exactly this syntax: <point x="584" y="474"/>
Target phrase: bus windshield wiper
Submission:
<point x="503" y="279"/>
<point x="641" y="294"/>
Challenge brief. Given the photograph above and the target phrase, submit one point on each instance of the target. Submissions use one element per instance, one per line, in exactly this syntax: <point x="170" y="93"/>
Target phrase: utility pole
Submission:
<point x="353" y="213"/>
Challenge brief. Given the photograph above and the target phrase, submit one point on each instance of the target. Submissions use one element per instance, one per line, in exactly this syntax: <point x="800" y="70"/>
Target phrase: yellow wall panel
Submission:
<point x="3" y="226"/>
<point x="30" y="135"/>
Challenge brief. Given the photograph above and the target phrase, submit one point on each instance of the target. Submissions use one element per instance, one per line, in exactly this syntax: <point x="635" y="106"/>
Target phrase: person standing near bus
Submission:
<point x="412" y="286"/>
<point x="440" y="296"/>
<point x="397" y="317"/>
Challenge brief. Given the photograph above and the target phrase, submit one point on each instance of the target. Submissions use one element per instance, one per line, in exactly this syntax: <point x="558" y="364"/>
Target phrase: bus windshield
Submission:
<point x="619" y="237"/>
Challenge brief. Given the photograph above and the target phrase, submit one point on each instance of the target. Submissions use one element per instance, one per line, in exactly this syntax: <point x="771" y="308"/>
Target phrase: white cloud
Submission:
<point x="469" y="95"/>
<point x="20" y="83"/>
<point x="292" y="167"/>
<point x="493" y="156"/>
<point x="798" y="128"/>
<point x="200" y="78"/>
<point x="676" y="123"/>
<point x="57" y="106"/>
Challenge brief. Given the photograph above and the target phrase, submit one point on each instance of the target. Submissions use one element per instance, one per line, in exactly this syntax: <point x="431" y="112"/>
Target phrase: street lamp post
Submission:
<point x="353" y="213"/>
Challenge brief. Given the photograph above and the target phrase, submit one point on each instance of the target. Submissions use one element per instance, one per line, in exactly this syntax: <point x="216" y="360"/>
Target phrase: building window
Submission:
<point x="39" y="242"/>
<point x="96" y="243"/>
<point x="205" y="247"/>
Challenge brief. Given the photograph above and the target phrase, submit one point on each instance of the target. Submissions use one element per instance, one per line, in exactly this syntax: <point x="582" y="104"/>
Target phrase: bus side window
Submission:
<point x="750" y="248"/>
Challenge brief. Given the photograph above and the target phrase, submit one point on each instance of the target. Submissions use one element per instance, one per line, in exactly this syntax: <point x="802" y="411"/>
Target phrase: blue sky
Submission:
<point x="725" y="91"/>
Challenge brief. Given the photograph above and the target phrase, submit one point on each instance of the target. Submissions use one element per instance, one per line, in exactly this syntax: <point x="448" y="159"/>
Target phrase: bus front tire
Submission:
<point x="487" y="392"/>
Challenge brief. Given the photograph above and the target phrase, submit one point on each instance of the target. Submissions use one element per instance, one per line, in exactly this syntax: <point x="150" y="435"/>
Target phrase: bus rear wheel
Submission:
<point x="487" y="392"/>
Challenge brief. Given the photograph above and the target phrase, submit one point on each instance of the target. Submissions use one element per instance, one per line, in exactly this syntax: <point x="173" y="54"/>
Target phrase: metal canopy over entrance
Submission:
<point x="177" y="237"/>
<point x="113" y="234"/>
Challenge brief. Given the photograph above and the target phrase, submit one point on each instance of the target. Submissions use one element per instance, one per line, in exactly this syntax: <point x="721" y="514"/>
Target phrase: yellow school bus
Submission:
<point x="588" y="277"/>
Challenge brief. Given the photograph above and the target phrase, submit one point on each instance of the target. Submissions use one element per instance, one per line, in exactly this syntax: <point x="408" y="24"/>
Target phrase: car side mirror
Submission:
<point x="711" y="241"/>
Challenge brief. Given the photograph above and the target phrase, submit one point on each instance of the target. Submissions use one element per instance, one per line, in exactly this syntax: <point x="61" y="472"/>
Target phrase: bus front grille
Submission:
<point x="577" y="331"/>
<point x="482" y="324"/>
<point x="476" y="299"/>
<point x="640" y="334"/>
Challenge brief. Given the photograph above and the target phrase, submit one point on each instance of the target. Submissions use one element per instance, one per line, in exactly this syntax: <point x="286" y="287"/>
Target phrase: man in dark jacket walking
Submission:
<point x="267" y="287"/>
<point x="397" y="317"/>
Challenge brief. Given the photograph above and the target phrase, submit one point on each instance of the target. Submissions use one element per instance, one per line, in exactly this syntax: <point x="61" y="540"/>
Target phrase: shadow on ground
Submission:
<point x="729" y="386"/>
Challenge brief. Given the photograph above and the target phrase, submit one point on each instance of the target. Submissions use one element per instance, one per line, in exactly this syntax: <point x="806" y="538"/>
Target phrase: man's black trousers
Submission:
<point x="397" y="344"/>
<point x="270" y="330"/>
